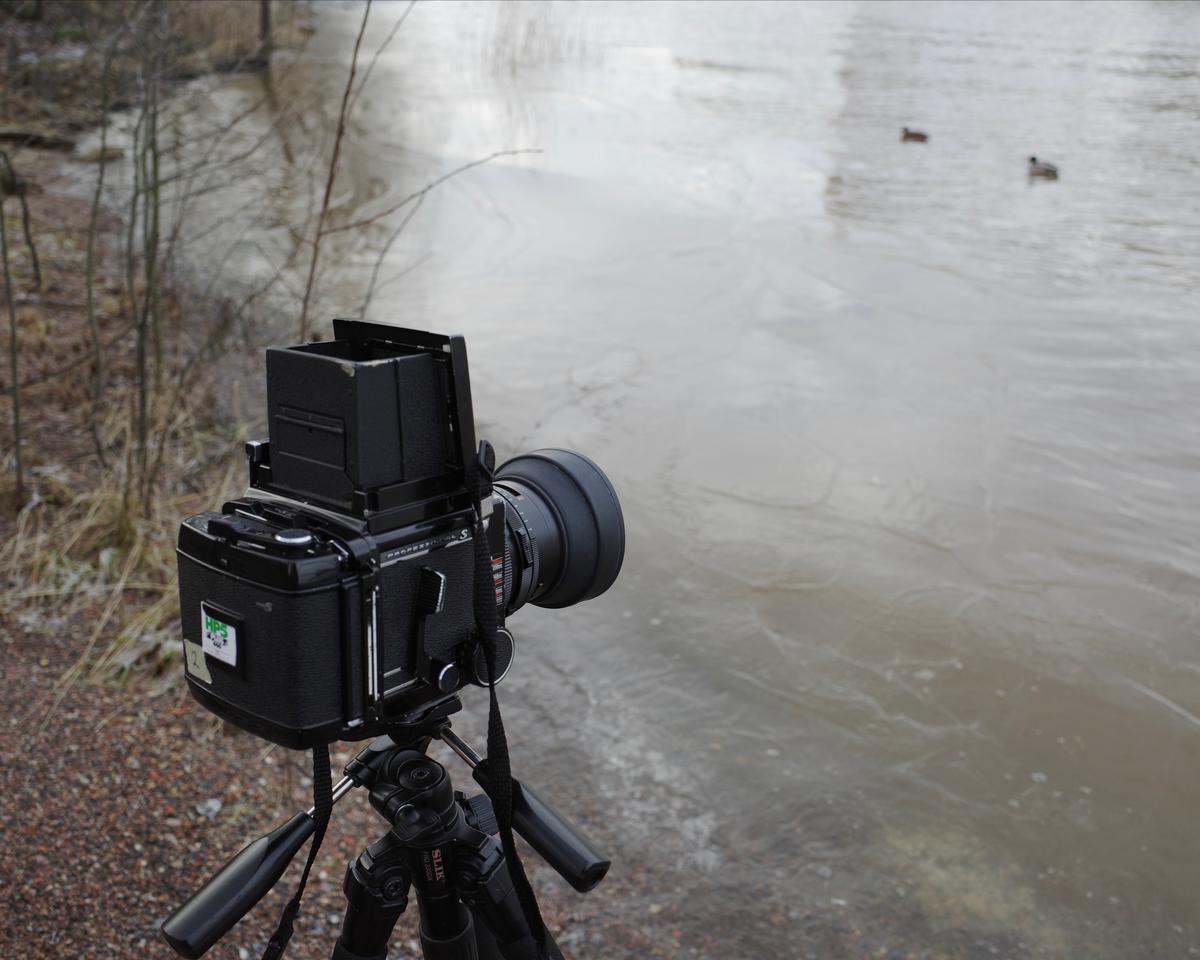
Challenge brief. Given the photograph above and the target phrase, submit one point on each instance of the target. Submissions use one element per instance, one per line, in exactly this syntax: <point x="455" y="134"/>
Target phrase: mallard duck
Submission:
<point x="1039" y="169"/>
<point x="915" y="135"/>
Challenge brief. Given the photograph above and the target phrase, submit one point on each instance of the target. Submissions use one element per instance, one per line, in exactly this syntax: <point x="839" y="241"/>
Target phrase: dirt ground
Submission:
<point x="107" y="804"/>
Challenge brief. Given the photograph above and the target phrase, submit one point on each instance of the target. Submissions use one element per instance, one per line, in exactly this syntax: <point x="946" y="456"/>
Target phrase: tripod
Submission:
<point x="439" y="845"/>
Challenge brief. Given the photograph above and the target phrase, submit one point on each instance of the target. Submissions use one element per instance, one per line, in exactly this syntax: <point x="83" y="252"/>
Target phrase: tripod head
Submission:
<point x="414" y="795"/>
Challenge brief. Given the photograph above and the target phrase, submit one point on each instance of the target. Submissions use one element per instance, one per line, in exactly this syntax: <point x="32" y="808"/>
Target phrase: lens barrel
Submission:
<point x="565" y="535"/>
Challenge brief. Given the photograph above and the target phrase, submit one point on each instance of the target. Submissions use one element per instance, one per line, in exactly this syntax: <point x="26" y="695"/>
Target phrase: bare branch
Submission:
<point x="89" y="278"/>
<point x="337" y="149"/>
<point x="12" y="185"/>
<point x="12" y="347"/>
<point x="374" y="218"/>
<point x="384" y="252"/>
<point x="420" y="261"/>
<point x="383" y="46"/>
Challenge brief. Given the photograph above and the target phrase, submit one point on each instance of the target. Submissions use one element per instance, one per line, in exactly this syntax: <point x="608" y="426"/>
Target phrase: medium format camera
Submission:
<point x="341" y="591"/>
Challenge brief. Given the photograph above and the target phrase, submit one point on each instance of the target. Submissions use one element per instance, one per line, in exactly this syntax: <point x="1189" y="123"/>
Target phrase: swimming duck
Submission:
<point x="915" y="135"/>
<point x="1039" y="169"/>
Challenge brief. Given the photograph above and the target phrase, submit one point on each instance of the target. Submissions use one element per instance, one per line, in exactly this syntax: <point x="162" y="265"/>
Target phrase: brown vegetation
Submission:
<point x="121" y="431"/>
<point x="109" y="426"/>
<point x="54" y="54"/>
<point x="79" y="538"/>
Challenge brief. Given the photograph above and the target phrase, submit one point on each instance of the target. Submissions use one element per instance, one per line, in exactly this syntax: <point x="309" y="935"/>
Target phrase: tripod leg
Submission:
<point x="376" y="888"/>
<point x="485" y="943"/>
<point x="487" y="888"/>
<point x="447" y="928"/>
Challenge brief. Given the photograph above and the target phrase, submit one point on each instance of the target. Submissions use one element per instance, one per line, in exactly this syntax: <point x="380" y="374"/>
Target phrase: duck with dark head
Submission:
<point x="1039" y="168"/>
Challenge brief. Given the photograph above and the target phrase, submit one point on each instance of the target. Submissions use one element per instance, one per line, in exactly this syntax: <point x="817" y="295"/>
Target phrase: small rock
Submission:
<point x="209" y="808"/>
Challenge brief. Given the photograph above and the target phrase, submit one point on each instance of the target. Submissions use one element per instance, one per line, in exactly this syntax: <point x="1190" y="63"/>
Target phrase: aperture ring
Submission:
<point x="529" y="563"/>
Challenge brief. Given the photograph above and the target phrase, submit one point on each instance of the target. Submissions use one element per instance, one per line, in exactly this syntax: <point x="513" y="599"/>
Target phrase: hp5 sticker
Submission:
<point x="220" y="633"/>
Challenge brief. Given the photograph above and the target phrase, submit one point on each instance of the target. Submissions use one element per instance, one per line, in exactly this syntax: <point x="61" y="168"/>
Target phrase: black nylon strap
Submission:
<point x="497" y="769"/>
<point x="322" y="807"/>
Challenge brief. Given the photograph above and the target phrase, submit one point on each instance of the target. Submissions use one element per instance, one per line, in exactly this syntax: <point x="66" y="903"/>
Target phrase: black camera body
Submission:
<point x="341" y="592"/>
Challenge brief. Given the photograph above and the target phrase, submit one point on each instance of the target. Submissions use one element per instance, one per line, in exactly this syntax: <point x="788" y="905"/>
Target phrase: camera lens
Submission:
<point x="565" y="536"/>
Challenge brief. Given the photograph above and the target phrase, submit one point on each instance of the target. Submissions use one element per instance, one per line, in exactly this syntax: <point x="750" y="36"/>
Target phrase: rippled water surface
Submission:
<point x="906" y="641"/>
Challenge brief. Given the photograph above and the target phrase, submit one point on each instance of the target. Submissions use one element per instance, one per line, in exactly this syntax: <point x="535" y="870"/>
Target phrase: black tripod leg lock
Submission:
<point x="376" y="887"/>
<point x="492" y="896"/>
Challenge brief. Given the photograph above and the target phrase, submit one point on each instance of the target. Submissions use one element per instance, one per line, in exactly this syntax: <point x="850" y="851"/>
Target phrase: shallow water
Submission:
<point x="906" y="637"/>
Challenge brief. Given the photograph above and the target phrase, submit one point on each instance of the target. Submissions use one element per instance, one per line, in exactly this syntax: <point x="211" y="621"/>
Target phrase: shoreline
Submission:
<point x="109" y="765"/>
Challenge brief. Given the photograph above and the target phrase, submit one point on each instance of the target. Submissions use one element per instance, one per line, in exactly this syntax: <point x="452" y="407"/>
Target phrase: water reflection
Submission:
<point x="904" y="657"/>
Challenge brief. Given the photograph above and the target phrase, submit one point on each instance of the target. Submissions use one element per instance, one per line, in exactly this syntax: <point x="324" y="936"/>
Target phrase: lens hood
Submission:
<point x="587" y="523"/>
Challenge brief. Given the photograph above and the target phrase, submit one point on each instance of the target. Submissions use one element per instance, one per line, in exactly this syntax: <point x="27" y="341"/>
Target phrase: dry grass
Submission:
<point x="92" y="540"/>
<point x="51" y="65"/>
<point x="86" y="547"/>
<point x="81" y="549"/>
<point x="225" y="28"/>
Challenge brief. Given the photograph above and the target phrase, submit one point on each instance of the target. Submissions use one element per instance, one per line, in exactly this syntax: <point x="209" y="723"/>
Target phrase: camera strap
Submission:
<point x="322" y="807"/>
<point x="496" y="769"/>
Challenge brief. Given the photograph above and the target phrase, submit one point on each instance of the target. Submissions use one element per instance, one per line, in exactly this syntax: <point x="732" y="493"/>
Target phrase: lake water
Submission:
<point x="904" y="658"/>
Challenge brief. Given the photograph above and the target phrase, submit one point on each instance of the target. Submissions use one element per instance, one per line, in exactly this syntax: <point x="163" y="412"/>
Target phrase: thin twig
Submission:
<point x="337" y="149"/>
<point x="396" y="277"/>
<point x="383" y="46"/>
<point x="383" y="254"/>
<point x="12" y="360"/>
<point x="25" y="227"/>
<point x="10" y="183"/>
<point x="90" y="275"/>
<point x="374" y="218"/>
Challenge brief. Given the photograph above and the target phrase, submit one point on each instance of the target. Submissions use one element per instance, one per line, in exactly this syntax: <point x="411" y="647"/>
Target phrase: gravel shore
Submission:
<point x="117" y="804"/>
